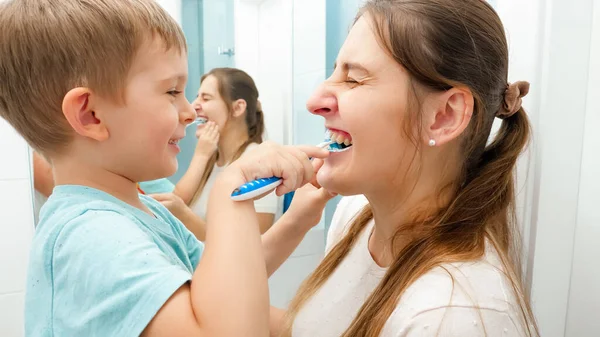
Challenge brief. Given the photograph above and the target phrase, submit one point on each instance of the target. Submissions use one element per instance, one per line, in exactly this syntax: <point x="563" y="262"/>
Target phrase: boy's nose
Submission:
<point x="187" y="113"/>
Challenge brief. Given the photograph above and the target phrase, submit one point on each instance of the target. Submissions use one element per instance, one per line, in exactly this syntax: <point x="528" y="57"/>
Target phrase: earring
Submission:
<point x="432" y="142"/>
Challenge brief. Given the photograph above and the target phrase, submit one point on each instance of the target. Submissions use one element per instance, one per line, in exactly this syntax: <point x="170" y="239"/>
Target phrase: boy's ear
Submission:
<point x="78" y="108"/>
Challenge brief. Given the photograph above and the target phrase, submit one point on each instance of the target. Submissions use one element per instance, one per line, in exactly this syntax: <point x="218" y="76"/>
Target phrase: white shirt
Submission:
<point x="481" y="296"/>
<point x="267" y="204"/>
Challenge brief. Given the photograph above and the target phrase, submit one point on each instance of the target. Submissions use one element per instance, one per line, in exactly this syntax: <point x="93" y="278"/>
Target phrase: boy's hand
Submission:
<point x="208" y="139"/>
<point x="309" y="201"/>
<point x="291" y="163"/>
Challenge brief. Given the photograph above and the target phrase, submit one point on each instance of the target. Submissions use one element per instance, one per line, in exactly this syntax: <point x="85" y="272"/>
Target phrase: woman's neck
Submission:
<point x="230" y="142"/>
<point x="393" y="211"/>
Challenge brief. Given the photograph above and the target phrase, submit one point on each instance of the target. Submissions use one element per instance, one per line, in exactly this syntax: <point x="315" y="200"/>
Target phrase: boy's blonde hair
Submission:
<point x="48" y="47"/>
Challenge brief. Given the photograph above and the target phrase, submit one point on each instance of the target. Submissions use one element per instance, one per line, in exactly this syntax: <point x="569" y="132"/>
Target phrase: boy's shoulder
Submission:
<point x="74" y="206"/>
<point x="91" y="215"/>
<point x="71" y="202"/>
<point x="92" y="244"/>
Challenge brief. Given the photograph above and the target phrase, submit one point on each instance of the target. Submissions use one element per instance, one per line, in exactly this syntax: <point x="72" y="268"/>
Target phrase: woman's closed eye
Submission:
<point x="351" y="82"/>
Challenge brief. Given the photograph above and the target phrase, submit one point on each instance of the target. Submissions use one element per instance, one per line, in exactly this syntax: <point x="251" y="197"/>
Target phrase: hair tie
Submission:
<point x="513" y="98"/>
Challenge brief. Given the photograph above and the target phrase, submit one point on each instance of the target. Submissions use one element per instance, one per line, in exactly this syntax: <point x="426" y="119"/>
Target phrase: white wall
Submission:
<point x="561" y="126"/>
<point x="173" y="7"/>
<point x="583" y="315"/>
<point x="16" y="229"/>
<point x="275" y="66"/>
<point x="263" y="44"/>
<point x="525" y="43"/>
<point x="550" y="44"/>
<point x="246" y="36"/>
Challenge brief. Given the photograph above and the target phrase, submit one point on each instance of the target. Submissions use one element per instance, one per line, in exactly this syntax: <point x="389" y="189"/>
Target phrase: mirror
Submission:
<point x="280" y="44"/>
<point x="258" y="38"/>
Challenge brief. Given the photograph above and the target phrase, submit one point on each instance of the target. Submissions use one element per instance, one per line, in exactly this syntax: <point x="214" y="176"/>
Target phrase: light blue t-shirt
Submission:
<point x="157" y="186"/>
<point x="100" y="267"/>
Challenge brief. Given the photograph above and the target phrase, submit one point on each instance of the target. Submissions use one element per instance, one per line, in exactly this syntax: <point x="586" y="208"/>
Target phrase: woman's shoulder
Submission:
<point x="250" y="147"/>
<point x="468" y="296"/>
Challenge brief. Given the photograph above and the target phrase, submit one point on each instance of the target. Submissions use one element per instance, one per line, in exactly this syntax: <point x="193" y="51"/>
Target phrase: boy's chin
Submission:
<point x="170" y="170"/>
<point x="164" y="172"/>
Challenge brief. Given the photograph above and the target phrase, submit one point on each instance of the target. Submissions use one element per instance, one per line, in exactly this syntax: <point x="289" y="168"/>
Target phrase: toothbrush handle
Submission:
<point x="259" y="187"/>
<point x="255" y="188"/>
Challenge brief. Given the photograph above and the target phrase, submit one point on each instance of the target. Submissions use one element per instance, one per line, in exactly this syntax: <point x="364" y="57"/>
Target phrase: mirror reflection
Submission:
<point x="240" y="83"/>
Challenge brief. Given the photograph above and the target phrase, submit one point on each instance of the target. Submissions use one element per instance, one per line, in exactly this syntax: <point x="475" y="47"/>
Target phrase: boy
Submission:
<point x="96" y="87"/>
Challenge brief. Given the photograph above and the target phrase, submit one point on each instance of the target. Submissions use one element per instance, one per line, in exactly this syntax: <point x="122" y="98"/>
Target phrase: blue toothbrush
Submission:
<point x="259" y="187"/>
<point x="199" y="121"/>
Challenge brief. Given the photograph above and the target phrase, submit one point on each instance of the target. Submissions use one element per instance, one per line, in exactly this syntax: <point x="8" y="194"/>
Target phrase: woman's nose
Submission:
<point x="197" y="106"/>
<point x="323" y="101"/>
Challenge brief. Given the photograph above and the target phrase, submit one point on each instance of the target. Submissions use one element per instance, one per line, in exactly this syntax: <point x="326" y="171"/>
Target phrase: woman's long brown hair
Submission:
<point x="444" y="44"/>
<point x="234" y="84"/>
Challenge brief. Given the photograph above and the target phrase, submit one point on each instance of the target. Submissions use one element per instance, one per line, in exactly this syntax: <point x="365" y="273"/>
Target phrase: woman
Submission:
<point x="228" y="99"/>
<point x="430" y="248"/>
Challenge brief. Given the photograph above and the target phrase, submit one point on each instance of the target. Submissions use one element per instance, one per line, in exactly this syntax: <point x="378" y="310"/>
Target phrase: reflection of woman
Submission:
<point x="228" y="98"/>
<point x="43" y="183"/>
<point x="429" y="250"/>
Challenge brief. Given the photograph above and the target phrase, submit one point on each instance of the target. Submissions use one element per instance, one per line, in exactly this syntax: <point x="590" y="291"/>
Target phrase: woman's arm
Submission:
<point x="188" y="184"/>
<point x="43" y="180"/>
<point x="265" y="221"/>
<point x="287" y="233"/>
<point x="208" y="138"/>
<point x="181" y="211"/>
<point x="276" y="321"/>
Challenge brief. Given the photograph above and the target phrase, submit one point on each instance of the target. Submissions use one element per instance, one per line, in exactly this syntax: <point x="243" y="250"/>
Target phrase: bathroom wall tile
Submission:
<point x="16" y="231"/>
<point x="12" y="308"/>
<point x="309" y="35"/>
<point x="285" y="282"/>
<point x="15" y="154"/>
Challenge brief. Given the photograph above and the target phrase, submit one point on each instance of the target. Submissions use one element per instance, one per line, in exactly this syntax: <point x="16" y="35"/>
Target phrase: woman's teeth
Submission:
<point x="173" y="142"/>
<point x="340" y="138"/>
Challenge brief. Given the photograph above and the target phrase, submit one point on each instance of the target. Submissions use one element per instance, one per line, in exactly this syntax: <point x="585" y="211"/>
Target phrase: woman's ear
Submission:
<point x="239" y="108"/>
<point x="450" y="117"/>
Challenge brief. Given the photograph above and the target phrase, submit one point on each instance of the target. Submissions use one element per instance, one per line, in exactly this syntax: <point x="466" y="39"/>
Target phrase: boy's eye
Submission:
<point x="174" y="92"/>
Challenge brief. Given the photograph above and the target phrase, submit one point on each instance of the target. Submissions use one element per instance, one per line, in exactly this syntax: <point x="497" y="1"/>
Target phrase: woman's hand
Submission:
<point x="173" y="203"/>
<point x="309" y="202"/>
<point x="290" y="163"/>
<point x="208" y="139"/>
